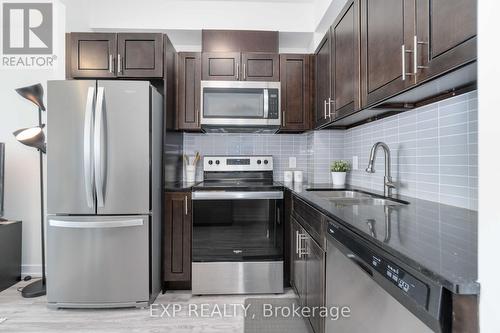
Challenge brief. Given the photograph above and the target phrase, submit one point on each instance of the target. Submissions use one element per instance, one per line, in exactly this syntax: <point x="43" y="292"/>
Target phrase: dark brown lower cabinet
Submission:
<point x="308" y="272"/>
<point x="177" y="240"/>
<point x="297" y="263"/>
<point x="315" y="281"/>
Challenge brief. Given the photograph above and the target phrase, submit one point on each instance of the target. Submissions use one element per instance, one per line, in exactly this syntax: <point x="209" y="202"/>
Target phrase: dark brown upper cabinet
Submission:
<point x="260" y="67"/>
<point x="445" y="37"/>
<point x="407" y="42"/>
<point x="295" y="73"/>
<point x="92" y="55"/>
<point x="236" y="66"/>
<point x="345" y="62"/>
<point x="140" y="55"/>
<point x="224" y="66"/>
<point x="177" y="239"/>
<point x="323" y="82"/>
<point x="188" y="73"/>
<point x="386" y="44"/>
<point x="111" y="55"/>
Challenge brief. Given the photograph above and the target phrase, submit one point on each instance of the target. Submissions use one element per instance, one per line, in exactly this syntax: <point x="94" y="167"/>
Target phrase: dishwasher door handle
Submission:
<point x="360" y="263"/>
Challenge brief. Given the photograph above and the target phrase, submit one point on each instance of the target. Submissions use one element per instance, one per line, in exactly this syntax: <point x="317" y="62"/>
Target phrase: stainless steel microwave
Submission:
<point x="240" y="106"/>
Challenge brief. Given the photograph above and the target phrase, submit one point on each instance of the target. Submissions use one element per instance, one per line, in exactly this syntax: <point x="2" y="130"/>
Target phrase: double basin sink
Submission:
<point x="355" y="197"/>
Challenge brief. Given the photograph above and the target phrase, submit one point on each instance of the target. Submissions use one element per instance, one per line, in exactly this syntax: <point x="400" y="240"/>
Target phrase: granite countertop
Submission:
<point x="438" y="240"/>
<point x="179" y="186"/>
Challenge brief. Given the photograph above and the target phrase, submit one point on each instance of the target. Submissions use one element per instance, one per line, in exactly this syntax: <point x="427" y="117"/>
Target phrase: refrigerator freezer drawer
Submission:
<point x="98" y="261"/>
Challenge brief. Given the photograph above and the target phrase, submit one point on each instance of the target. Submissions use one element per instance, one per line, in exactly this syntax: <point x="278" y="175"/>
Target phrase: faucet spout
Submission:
<point x="388" y="183"/>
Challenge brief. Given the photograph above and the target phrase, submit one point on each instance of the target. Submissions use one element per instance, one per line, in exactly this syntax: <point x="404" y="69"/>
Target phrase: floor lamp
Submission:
<point x="35" y="137"/>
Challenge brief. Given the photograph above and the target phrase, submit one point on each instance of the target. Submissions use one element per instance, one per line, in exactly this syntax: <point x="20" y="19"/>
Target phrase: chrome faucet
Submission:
<point x="388" y="183"/>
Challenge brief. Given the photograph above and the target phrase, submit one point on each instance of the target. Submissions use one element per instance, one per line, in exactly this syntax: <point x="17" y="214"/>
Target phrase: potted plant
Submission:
<point x="339" y="170"/>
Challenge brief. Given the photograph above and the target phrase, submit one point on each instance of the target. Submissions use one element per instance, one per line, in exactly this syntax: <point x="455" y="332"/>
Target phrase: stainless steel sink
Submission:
<point x="333" y="194"/>
<point x="354" y="197"/>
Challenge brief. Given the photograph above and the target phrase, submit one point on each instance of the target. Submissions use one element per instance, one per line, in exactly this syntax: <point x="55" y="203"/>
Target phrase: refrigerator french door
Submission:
<point x="104" y="190"/>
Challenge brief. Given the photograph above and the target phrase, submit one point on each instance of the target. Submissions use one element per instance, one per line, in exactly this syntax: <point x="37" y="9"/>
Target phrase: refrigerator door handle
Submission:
<point x="98" y="149"/>
<point x="96" y="225"/>
<point x="87" y="148"/>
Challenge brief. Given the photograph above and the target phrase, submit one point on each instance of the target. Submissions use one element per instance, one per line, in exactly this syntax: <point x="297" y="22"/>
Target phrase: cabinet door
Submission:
<point x="177" y="236"/>
<point x="223" y="66"/>
<point x="140" y="55"/>
<point x="188" y="90"/>
<point x="386" y="45"/>
<point x="93" y="55"/>
<point x="315" y="281"/>
<point x="345" y="61"/>
<point x="295" y="91"/>
<point x="260" y="67"/>
<point x="298" y="261"/>
<point x="323" y="82"/>
<point x="446" y="35"/>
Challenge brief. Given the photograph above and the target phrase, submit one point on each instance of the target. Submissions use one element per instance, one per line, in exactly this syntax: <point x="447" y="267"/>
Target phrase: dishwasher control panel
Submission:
<point x="406" y="282"/>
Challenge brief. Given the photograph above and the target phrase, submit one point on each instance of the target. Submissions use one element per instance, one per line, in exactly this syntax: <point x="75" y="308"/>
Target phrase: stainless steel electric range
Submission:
<point x="237" y="227"/>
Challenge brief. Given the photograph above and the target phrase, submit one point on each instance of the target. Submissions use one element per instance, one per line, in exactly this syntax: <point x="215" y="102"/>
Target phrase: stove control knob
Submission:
<point x="210" y="162"/>
<point x="266" y="161"/>
<point x="217" y="162"/>
<point x="259" y="161"/>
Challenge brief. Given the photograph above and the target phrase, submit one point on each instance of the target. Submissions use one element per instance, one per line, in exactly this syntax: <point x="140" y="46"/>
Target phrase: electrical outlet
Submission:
<point x="292" y="162"/>
<point x="355" y="163"/>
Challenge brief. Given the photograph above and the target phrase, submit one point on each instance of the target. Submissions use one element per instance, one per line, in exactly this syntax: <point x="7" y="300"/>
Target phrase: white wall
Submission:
<point x="22" y="196"/>
<point x="489" y="163"/>
<point x="302" y="23"/>
<point x="202" y="14"/>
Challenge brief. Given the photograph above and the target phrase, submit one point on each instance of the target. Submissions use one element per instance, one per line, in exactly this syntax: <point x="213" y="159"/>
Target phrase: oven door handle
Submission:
<point x="237" y="195"/>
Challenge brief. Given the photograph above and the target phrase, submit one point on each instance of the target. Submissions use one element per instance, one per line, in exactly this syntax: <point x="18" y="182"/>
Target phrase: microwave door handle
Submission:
<point x="266" y="103"/>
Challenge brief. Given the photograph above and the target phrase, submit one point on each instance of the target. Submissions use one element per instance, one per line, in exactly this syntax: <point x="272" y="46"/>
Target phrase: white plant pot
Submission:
<point x="338" y="178"/>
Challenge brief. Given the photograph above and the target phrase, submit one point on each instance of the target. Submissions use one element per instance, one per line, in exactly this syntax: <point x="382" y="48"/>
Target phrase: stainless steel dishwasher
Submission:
<point x="383" y="296"/>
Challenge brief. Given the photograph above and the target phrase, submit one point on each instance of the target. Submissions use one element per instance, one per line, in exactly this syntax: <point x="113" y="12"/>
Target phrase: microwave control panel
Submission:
<point x="273" y="104"/>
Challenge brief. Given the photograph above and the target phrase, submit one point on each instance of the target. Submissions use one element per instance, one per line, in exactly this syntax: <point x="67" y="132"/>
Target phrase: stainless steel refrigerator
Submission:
<point x="104" y="148"/>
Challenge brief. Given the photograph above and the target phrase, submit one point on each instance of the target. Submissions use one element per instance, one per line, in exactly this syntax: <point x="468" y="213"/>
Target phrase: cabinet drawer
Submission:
<point x="310" y="219"/>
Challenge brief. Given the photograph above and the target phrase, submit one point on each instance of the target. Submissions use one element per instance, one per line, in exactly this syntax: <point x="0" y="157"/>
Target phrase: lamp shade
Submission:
<point x="32" y="137"/>
<point x="34" y="94"/>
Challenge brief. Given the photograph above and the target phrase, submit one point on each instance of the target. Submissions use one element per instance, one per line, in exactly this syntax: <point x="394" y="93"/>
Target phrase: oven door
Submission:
<point x="235" y="226"/>
<point x="240" y="103"/>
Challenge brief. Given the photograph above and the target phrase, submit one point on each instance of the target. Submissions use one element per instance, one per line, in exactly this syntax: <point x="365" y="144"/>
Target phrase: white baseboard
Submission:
<point x="33" y="270"/>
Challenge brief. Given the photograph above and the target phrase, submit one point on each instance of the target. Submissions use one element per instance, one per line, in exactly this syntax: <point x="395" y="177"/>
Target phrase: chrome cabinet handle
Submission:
<point x="404" y="51"/>
<point x="186" y="204"/>
<point x="119" y="65"/>
<point x="330" y="101"/>
<point x="416" y="66"/>
<point x="296" y="242"/>
<point x="98" y="167"/>
<point x="237" y="71"/>
<point x="324" y="107"/>
<point x="302" y="250"/>
<point x="244" y="71"/>
<point x="87" y="147"/>
<point x="284" y="121"/>
<point x="110" y="65"/>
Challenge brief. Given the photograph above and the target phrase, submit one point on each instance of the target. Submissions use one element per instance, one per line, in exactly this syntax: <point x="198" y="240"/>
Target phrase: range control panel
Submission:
<point x="406" y="282"/>
<point x="238" y="163"/>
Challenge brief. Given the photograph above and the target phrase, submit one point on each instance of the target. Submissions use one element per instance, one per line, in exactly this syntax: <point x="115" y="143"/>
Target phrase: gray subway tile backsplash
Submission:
<point x="434" y="151"/>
